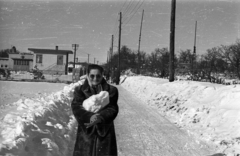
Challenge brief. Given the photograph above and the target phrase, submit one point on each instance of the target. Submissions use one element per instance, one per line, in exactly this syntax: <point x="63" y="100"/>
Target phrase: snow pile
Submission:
<point x="209" y="111"/>
<point x="129" y="72"/>
<point x="43" y="126"/>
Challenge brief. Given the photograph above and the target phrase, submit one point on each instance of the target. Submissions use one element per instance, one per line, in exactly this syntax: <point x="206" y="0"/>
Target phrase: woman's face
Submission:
<point x="95" y="76"/>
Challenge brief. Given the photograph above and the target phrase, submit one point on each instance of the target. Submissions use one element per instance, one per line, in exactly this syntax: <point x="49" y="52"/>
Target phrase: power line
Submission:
<point x="134" y="13"/>
<point x="115" y="30"/>
<point x="127" y="8"/>
<point x="115" y="26"/>
<point x="123" y="6"/>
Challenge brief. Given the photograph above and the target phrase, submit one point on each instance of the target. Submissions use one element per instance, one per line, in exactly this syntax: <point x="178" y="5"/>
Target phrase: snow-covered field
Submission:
<point x="40" y="123"/>
<point x="12" y="91"/>
<point x="208" y="111"/>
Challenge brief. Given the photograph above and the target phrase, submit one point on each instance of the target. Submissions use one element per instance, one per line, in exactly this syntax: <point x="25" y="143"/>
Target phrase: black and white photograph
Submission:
<point x="119" y="77"/>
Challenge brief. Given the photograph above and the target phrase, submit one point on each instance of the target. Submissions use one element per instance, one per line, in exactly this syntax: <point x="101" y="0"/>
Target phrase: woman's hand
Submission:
<point x="95" y="119"/>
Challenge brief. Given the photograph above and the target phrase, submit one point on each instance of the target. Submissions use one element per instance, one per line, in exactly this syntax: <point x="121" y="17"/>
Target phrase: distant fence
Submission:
<point x="28" y="76"/>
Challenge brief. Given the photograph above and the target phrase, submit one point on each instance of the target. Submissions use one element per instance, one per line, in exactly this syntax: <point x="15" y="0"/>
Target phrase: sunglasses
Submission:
<point x="97" y="76"/>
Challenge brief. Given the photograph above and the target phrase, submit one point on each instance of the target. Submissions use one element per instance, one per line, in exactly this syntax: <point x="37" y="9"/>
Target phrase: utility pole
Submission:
<point x="88" y="58"/>
<point x="75" y="47"/>
<point x="119" y="48"/>
<point x="108" y="59"/>
<point x="194" y="48"/>
<point x="172" y="39"/>
<point x="111" y="52"/>
<point x="138" y="68"/>
<point x="108" y="56"/>
<point x="94" y="60"/>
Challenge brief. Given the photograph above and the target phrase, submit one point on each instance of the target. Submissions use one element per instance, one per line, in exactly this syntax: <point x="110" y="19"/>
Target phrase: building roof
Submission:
<point x="13" y="52"/>
<point x="22" y="59"/>
<point x="50" y="51"/>
<point x="24" y="53"/>
<point x="4" y="58"/>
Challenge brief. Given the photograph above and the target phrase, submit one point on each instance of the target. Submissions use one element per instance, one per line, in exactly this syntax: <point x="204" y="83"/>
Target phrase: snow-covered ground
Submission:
<point x="12" y="91"/>
<point x="39" y="124"/>
<point x="208" y="111"/>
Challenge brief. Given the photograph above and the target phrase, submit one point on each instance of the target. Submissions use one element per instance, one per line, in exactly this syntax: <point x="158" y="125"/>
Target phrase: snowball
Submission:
<point x="96" y="102"/>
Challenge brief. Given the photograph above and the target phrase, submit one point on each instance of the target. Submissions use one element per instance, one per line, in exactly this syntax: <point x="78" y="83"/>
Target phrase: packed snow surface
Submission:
<point x="40" y="125"/>
<point x="45" y="126"/>
<point x="208" y="111"/>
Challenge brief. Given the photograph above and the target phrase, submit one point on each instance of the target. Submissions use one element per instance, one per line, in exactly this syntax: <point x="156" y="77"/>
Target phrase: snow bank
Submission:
<point x="209" y="111"/>
<point x="43" y="126"/>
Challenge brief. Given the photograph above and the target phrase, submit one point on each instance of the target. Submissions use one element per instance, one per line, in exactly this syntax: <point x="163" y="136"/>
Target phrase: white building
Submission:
<point x="51" y="61"/>
<point x="17" y="62"/>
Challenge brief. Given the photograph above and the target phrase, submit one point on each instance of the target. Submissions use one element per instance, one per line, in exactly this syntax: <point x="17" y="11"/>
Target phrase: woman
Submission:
<point x="96" y="134"/>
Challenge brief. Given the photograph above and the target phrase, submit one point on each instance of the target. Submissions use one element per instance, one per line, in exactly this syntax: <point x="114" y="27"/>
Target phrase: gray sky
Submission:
<point x="45" y="24"/>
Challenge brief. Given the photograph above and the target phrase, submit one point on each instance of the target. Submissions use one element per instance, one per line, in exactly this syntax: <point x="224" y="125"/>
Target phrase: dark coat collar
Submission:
<point x="86" y="86"/>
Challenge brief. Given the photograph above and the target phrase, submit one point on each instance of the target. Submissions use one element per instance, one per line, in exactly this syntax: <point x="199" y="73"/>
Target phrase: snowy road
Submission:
<point x="141" y="130"/>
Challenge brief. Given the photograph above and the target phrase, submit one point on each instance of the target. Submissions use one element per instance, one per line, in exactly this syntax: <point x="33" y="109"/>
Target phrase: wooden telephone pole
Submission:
<point x="172" y="40"/>
<point x="75" y="47"/>
<point x="194" y="48"/>
<point x="138" y="67"/>
<point x="110" y="56"/>
<point x="88" y="58"/>
<point x="112" y="47"/>
<point x="119" y="48"/>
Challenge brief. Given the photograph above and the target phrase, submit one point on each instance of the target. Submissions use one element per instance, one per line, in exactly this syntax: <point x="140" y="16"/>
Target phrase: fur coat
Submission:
<point x="100" y="139"/>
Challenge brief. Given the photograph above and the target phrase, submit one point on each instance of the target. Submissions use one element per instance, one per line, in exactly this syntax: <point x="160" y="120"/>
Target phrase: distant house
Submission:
<point x="51" y="61"/>
<point x="20" y="61"/>
<point x="4" y="62"/>
<point x="17" y="61"/>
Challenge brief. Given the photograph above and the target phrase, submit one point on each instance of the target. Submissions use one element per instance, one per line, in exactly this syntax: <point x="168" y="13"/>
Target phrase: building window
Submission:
<point x="59" y="59"/>
<point x="38" y="58"/>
